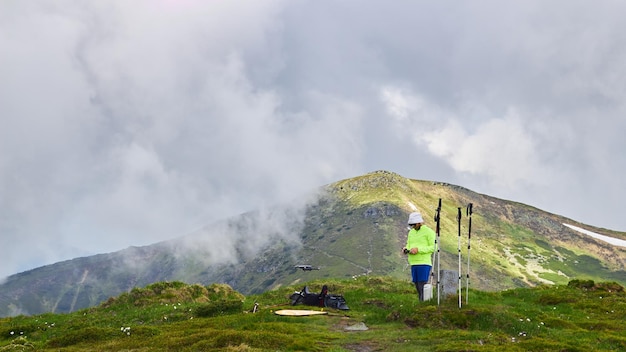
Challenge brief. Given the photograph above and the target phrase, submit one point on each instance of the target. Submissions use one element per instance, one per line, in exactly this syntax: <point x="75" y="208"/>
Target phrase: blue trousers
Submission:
<point x="420" y="273"/>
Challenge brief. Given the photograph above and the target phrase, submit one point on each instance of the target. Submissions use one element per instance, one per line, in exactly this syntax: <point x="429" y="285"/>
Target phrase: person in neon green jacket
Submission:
<point x="420" y="245"/>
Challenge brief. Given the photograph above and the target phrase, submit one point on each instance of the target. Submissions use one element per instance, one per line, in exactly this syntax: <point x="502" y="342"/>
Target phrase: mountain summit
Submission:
<point x="352" y="227"/>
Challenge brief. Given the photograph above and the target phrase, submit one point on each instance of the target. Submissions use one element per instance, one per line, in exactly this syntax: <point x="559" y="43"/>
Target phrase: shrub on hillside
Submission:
<point x="592" y="286"/>
<point x="174" y="292"/>
<point x="582" y="284"/>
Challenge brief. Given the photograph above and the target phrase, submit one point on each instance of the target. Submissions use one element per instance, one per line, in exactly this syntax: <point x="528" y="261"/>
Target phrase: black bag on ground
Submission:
<point x="336" y="301"/>
<point x="322" y="299"/>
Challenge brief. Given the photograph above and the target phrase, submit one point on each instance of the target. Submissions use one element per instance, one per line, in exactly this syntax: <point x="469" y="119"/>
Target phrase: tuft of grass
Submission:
<point x="18" y="344"/>
<point x="212" y="309"/>
<point x="89" y="334"/>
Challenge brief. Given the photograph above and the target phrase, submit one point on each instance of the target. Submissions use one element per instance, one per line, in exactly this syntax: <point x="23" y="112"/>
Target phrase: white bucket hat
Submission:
<point x="415" y="218"/>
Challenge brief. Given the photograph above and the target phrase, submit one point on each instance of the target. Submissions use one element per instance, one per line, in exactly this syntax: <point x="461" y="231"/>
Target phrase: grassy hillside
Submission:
<point x="355" y="227"/>
<point x="384" y="315"/>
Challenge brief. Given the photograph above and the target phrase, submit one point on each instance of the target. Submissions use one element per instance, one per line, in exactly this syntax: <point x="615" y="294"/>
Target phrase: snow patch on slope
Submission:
<point x="611" y="240"/>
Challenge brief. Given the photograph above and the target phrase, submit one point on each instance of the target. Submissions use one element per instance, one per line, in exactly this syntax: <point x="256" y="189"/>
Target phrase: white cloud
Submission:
<point x="502" y="149"/>
<point x="131" y="123"/>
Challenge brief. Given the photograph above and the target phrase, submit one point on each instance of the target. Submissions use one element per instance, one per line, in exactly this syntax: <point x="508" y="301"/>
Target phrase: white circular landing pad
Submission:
<point x="299" y="312"/>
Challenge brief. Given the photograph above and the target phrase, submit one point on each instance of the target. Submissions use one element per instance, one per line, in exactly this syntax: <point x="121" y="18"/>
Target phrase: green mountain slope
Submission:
<point x="355" y="227"/>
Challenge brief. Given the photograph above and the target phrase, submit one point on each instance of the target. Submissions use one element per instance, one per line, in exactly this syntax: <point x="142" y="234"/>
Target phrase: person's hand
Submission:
<point x="413" y="250"/>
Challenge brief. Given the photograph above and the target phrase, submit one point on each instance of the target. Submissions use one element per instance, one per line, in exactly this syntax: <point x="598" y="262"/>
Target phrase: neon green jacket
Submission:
<point x="424" y="240"/>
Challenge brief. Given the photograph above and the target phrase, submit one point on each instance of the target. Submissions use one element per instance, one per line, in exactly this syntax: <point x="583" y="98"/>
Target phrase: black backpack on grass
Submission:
<point x="322" y="299"/>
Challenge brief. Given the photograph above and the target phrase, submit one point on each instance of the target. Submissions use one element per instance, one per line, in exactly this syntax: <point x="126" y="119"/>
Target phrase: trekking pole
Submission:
<point x="469" y="236"/>
<point x="437" y="217"/>
<point x="458" y="220"/>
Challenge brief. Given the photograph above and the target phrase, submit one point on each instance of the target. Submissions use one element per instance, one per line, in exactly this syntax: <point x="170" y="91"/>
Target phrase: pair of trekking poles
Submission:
<point x="468" y="212"/>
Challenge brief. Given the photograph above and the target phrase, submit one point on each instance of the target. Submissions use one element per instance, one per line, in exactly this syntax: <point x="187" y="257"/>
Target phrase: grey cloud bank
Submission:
<point x="127" y="123"/>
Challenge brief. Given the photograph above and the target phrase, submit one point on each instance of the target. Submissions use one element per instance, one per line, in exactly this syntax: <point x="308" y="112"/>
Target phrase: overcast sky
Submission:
<point x="130" y="122"/>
